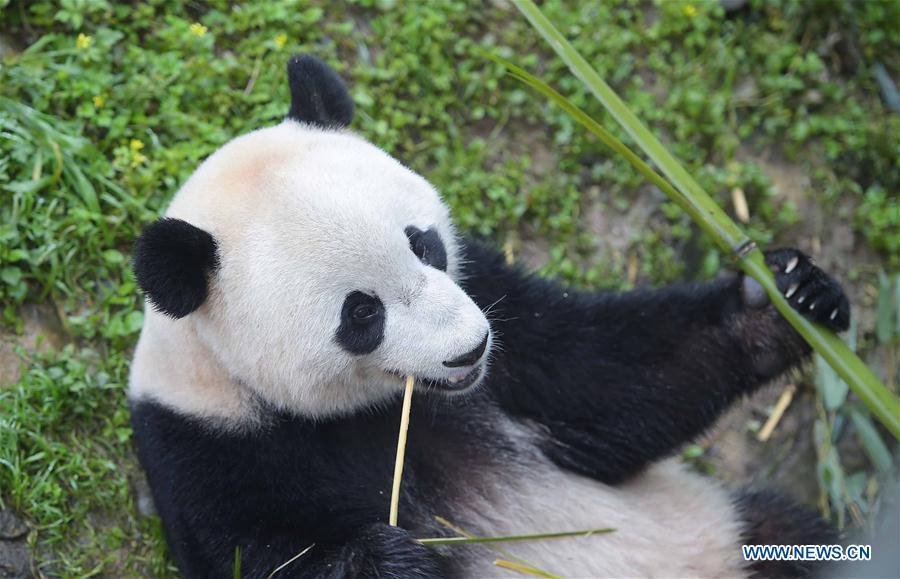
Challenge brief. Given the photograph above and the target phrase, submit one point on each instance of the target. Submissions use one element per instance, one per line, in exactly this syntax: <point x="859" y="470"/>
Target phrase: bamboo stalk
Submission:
<point x="492" y="546"/>
<point x="688" y="194"/>
<point x="511" y="538"/>
<point x="401" y="451"/>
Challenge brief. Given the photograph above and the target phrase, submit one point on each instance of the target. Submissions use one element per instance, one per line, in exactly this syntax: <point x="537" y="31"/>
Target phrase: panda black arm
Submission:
<point x="380" y="550"/>
<point x="622" y="379"/>
<point x="274" y="491"/>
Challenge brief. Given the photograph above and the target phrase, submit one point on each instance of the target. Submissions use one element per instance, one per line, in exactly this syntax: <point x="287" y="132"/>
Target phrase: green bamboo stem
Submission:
<point x="690" y="196"/>
<point x="494" y="547"/>
<point x="472" y="539"/>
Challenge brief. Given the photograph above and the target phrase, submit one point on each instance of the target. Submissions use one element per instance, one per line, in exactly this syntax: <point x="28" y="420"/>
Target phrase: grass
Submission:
<point x="105" y="108"/>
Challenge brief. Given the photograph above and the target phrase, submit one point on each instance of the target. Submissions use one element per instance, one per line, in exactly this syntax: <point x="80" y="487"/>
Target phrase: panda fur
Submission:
<point x="301" y="273"/>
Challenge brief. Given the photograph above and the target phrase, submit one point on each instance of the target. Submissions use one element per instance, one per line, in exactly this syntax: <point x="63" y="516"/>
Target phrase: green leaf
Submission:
<point x="236" y="566"/>
<point x="692" y="451"/>
<point x="834" y="390"/>
<point x="855" y="489"/>
<point x="871" y="441"/>
<point x="113" y="257"/>
<point x="11" y="275"/>
<point x="134" y="321"/>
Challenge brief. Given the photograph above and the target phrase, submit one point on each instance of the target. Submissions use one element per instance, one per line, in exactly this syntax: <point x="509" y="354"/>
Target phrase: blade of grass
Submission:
<point x="495" y="547"/>
<point x="289" y="561"/>
<point x="706" y="213"/>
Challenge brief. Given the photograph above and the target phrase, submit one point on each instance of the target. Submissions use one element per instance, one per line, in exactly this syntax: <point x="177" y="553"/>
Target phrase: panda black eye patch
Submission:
<point x="427" y="246"/>
<point x="362" y="323"/>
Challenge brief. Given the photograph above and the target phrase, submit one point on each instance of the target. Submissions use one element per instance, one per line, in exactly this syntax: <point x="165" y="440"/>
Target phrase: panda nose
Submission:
<point x="469" y="358"/>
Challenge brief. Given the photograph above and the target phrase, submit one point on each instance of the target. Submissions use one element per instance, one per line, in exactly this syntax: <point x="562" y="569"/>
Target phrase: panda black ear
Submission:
<point x="318" y="95"/>
<point x="172" y="263"/>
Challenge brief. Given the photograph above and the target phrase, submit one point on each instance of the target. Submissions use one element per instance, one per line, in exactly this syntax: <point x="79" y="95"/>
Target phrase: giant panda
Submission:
<point x="301" y="272"/>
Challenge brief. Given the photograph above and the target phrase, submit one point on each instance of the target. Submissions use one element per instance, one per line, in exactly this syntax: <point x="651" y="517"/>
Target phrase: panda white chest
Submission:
<point x="667" y="522"/>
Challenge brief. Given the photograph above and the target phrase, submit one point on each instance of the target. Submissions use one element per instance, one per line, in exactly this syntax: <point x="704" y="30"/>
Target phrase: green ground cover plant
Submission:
<point x="106" y="107"/>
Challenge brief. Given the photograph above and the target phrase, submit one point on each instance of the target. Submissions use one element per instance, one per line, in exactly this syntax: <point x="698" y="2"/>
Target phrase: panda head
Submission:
<point x="311" y="266"/>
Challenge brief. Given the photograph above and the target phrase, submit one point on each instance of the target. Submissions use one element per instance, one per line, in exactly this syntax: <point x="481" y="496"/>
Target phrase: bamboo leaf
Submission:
<point x="700" y="206"/>
<point x="704" y="210"/>
<point x="594" y="127"/>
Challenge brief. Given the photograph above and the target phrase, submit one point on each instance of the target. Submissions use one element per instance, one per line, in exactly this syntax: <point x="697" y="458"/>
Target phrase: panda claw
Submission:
<point x="809" y="289"/>
<point x="792" y="264"/>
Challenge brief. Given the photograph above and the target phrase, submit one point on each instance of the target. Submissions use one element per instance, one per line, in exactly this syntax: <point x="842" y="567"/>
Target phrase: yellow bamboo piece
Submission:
<point x="508" y="252"/>
<point x="524" y="569"/>
<point x="401" y="450"/>
<point x="783" y="402"/>
<point x="741" y="209"/>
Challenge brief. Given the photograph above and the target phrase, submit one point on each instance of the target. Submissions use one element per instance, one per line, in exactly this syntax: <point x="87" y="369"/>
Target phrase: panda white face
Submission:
<point x="337" y="272"/>
<point x="325" y="273"/>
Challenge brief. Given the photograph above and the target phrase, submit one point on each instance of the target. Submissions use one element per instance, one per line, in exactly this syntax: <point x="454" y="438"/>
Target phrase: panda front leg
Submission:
<point x="380" y="551"/>
<point x="620" y="380"/>
<point x="772" y="519"/>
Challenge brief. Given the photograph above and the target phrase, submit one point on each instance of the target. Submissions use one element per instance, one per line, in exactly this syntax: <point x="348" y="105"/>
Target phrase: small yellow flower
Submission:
<point x="136" y="145"/>
<point x="83" y="41"/>
<point x="689" y="10"/>
<point x="281" y="40"/>
<point x="99" y="100"/>
<point x="137" y="159"/>
<point x="198" y="29"/>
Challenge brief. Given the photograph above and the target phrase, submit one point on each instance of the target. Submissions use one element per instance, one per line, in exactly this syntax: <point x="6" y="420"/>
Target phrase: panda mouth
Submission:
<point x="456" y="383"/>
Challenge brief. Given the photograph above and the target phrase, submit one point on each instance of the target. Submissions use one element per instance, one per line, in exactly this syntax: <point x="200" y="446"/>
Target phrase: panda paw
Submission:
<point x="808" y="289"/>
<point x="393" y="552"/>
